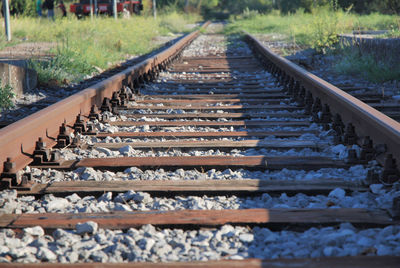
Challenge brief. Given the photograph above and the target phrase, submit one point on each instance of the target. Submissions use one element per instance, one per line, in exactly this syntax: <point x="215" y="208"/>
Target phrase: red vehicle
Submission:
<point x="105" y="7"/>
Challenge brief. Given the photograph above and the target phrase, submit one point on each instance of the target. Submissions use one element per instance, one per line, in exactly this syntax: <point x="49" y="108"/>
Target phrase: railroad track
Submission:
<point x="214" y="155"/>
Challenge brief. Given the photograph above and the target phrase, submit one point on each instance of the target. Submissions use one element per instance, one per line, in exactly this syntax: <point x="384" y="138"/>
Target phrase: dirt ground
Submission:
<point x="27" y="51"/>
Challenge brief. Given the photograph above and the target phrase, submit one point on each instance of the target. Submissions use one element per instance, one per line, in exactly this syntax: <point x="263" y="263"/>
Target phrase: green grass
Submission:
<point x="351" y="62"/>
<point x="85" y="44"/>
<point x="317" y="30"/>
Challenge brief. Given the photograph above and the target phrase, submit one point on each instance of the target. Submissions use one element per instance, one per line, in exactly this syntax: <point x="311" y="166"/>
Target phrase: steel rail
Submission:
<point x="366" y="120"/>
<point x="24" y="133"/>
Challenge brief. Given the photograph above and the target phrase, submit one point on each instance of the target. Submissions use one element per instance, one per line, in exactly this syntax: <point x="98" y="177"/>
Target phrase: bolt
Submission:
<point x="63" y="129"/>
<point x="372" y="177"/>
<point x="396" y="207"/>
<point x="106" y="106"/>
<point x="338" y="125"/>
<point x="367" y="151"/>
<point x="350" y="136"/>
<point x="352" y="156"/>
<point x="40" y="144"/>
<point x="94" y="113"/>
<point x="317" y="107"/>
<point x="308" y="103"/>
<point x="9" y="166"/>
<point x="390" y="173"/>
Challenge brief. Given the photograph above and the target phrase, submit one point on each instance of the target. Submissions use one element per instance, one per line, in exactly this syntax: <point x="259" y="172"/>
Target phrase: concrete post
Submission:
<point x="154" y="9"/>
<point x="7" y="19"/>
<point x="91" y="9"/>
<point x="115" y="9"/>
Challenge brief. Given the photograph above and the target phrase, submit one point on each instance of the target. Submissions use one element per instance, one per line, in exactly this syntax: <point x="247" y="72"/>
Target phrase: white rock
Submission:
<point x="236" y="257"/>
<point x="227" y="229"/>
<point x="331" y="251"/>
<point x="73" y="198"/>
<point x="106" y="197"/>
<point x="142" y="197"/>
<point x="45" y="254"/>
<point x="125" y="197"/>
<point x="87" y="227"/>
<point x="99" y="256"/>
<point x="89" y="174"/>
<point x="72" y="256"/>
<point x="35" y="231"/>
<point x="338" y="149"/>
<point x="338" y="193"/>
<point x="246" y="238"/>
<point x="57" y="205"/>
<point x="376" y="188"/>
<point x="126" y="150"/>
<point x="105" y="151"/>
<point x="146" y="243"/>
<point x="122" y="207"/>
<point x="365" y="242"/>
<point x="383" y="250"/>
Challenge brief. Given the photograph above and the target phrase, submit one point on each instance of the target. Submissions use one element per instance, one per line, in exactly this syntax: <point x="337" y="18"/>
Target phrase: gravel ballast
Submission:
<point x="88" y="243"/>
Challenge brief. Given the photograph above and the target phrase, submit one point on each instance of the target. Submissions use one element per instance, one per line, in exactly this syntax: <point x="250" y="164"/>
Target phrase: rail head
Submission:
<point x="366" y="120"/>
<point x="45" y="123"/>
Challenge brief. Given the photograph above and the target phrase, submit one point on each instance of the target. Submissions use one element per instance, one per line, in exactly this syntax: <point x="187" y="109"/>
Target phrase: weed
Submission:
<point x="365" y="65"/>
<point x="247" y="13"/>
<point x="318" y="29"/>
<point x="6" y="96"/>
<point x="323" y="30"/>
<point x="66" y="66"/>
<point x="86" y="44"/>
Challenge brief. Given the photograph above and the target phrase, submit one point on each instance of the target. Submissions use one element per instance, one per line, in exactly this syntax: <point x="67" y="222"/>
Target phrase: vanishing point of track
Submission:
<point x="238" y="111"/>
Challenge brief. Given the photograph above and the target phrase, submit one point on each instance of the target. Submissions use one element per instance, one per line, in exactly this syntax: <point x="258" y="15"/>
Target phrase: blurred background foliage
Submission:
<point x="225" y="8"/>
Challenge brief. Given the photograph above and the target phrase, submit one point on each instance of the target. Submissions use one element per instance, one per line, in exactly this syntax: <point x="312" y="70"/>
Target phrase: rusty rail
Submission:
<point x="24" y="133"/>
<point x="366" y="120"/>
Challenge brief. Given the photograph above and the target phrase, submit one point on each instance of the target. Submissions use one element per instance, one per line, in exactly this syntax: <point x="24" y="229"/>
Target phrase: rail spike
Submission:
<point x="301" y="96"/>
<point x="367" y="150"/>
<point x="350" y="136"/>
<point x="115" y="101"/>
<point x="396" y="208"/>
<point x="316" y="109"/>
<point x="80" y="124"/>
<point x="94" y="113"/>
<point x="10" y="178"/>
<point x="390" y="173"/>
<point x="45" y="156"/>
<point x="326" y="117"/>
<point x="106" y="105"/>
<point x="308" y="103"/>
<point x="63" y="138"/>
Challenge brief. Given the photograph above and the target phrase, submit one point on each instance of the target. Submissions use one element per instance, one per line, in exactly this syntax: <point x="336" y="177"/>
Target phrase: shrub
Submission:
<point x="324" y="30"/>
<point x="6" y="96"/>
